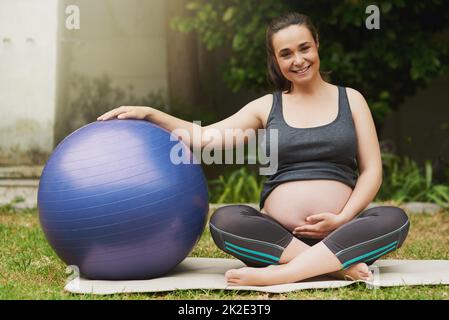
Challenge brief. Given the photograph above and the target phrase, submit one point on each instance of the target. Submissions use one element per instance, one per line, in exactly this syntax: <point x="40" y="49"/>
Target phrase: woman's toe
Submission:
<point x="370" y="276"/>
<point x="231" y="274"/>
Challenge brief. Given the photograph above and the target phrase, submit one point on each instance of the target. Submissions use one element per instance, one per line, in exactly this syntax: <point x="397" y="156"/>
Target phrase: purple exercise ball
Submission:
<point x="112" y="203"/>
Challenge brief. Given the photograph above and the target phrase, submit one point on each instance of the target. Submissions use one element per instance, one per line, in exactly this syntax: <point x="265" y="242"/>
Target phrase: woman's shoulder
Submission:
<point x="353" y="93"/>
<point x="264" y="99"/>
<point x="263" y="102"/>
<point x="357" y="102"/>
<point x="262" y="106"/>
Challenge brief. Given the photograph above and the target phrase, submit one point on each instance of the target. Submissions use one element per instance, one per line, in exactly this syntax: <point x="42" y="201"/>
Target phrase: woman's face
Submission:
<point x="296" y="53"/>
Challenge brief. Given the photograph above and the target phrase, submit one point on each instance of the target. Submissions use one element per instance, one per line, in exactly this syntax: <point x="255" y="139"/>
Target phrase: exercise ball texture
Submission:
<point x="112" y="203"/>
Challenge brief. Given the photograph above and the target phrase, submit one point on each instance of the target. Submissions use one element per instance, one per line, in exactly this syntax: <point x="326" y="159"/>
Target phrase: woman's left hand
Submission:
<point x="319" y="225"/>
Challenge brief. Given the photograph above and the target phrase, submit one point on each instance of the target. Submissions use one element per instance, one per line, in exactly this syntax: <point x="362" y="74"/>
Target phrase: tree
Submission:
<point x="386" y="64"/>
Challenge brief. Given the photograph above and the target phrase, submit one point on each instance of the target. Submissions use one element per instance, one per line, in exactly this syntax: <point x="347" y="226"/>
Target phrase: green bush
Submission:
<point x="403" y="181"/>
<point x="385" y="64"/>
<point x="239" y="186"/>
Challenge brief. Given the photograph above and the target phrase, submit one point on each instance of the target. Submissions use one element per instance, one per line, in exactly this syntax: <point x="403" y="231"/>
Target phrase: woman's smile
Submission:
<point x="301" y="71"/>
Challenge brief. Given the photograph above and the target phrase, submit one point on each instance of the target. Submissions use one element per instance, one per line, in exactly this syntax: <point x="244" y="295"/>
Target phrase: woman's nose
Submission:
<point x="299" y="59"/>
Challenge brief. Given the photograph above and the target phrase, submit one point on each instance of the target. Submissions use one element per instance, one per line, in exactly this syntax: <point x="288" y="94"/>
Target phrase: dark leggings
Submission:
<point x="258" y="240"/>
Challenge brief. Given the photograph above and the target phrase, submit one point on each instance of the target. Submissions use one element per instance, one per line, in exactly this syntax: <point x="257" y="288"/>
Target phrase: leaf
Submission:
<point x="428" y="174"/>
<point x="228" y="15"/>
<point x="223" y="196"/>
<point x="437" y="199"/>
<point x="238" y="188"/>
<point x="443" y="191"/>
<point x="436" y="62"/>
<point x="238" y="41"/>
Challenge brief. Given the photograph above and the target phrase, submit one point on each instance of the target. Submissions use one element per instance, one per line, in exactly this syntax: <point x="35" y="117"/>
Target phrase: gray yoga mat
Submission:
<point x="208" y="273"/>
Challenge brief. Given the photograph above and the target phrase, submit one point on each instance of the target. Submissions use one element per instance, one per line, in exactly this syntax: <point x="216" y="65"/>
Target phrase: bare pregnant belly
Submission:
<point x="292" y="202"/>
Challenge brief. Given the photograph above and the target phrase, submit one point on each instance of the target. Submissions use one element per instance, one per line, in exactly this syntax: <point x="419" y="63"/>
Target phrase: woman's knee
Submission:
<point x="381" y="230"/>
<point x="397" y="215"/>
<point x="398" y="220"/>
<point x="227" y="217"/>
<point x="403" y="221"/>
<point x="245" y="233"/>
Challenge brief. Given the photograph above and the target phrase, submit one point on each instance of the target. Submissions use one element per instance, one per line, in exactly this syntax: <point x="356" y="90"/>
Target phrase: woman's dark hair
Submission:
<point x="293" y="18"/>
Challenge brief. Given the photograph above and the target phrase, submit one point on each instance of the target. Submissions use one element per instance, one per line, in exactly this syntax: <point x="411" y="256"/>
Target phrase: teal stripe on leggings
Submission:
<point x="258" y="253"/>
<point x="393" y="244"/>
<point x="249" y="257"/>
<point x="381" y="254"/>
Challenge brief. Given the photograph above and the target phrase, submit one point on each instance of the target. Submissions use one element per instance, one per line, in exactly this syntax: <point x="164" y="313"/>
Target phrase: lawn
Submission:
<point x="29" y="269"/>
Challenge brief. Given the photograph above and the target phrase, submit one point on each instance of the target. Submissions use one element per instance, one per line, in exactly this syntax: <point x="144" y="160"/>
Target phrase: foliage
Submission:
<point x="405" y="181"/>
<point x="386" y="64"/>
<point x="239" y="186"/>
<point x="231" y="23"/>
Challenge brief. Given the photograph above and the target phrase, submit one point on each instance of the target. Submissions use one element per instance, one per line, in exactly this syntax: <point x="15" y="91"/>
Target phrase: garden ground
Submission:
<point x="29" y="269"/>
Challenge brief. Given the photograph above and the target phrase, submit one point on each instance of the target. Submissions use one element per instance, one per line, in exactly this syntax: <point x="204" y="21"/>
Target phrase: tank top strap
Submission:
<point x="276" y="109"/>
<point x="343" y="102"/>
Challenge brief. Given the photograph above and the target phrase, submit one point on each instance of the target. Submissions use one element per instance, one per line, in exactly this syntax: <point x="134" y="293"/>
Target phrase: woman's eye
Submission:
<point x="285" y="55"/>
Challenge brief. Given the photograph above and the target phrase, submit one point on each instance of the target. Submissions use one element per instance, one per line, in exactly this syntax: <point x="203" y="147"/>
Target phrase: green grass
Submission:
<point x="29" y="269"/>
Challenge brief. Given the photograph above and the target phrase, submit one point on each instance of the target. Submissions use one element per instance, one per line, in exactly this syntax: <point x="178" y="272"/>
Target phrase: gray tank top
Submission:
<point x="325" y="152"/>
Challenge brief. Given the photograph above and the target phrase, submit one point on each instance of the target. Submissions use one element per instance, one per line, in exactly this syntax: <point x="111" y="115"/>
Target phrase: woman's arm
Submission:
<point x="368" y="158"/>
<point x="248" y="117"/>
<point x="214" y="135"/>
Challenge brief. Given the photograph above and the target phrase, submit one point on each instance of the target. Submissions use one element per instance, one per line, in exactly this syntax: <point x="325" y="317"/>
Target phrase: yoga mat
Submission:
<point x="208" y="273"/>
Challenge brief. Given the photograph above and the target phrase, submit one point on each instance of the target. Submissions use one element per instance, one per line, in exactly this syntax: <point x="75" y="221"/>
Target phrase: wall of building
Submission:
<point x="28" y="58"/>
<point x="119" y="52"/>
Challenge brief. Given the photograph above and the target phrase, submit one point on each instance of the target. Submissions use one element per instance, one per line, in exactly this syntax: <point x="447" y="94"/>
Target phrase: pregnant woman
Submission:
<point x="311" y="219"/>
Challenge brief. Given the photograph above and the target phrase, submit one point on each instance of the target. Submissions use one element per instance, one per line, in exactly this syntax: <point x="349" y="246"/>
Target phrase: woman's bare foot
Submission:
<point x="269" y="275"/>
<point x="252" y="276"/>
<point x="358" y="271"/>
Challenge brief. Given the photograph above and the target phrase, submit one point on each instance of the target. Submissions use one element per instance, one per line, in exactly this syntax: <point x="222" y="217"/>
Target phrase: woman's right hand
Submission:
<point x="127" y="112"/>
<point x="320" y="225"/>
